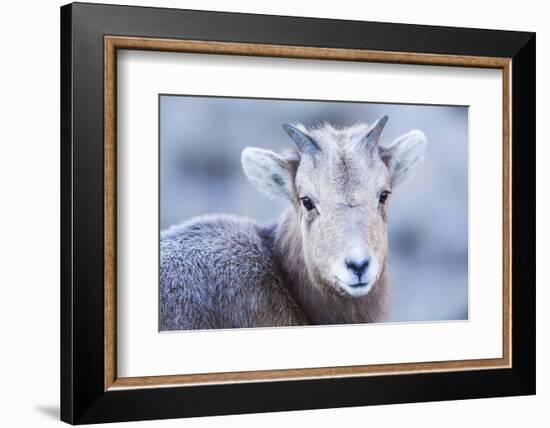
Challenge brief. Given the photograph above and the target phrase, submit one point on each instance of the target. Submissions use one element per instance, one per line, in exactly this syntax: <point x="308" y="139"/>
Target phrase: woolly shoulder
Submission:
<point x="215" y="234"/>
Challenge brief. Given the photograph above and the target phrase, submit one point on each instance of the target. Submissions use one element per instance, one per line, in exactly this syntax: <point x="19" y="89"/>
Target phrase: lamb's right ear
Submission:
<point x="404" y="156"/>
<point x="269" y="172"/>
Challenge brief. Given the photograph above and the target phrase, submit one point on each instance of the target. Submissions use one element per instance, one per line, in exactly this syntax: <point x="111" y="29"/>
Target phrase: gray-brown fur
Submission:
<point x="218" y="271"/>
<point x="222" y="271"/>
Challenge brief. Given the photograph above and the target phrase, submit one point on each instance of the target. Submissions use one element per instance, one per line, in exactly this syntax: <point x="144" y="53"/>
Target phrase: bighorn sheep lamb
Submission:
<point x="323" y="263"/>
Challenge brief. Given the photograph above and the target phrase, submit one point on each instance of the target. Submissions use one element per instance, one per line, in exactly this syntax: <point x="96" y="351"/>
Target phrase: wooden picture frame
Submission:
<point x="91" y="391"/>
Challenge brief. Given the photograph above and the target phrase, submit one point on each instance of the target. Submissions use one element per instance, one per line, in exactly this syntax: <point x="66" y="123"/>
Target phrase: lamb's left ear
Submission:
<point x="269" y="172"/>
<point x="404" y="156"/>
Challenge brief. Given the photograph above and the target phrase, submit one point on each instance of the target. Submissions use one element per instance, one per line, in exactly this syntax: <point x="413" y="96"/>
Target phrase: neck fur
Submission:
<point x="319" y="302"/>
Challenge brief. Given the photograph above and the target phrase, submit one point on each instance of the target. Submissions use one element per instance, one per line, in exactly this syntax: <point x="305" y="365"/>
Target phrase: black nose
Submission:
<point x="358" y="267"/>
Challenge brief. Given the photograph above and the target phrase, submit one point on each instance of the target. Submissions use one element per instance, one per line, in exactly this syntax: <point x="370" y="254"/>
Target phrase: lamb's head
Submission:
<point x="339" y="183"/>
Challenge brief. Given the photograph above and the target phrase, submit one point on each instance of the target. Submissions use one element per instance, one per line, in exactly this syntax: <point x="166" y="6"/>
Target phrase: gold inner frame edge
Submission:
<point x="113" y="43"/>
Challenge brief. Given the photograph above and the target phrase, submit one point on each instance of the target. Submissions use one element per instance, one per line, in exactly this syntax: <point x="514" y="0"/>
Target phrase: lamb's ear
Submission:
<point x="404" y="156"/>
<point x="269" y="172"/>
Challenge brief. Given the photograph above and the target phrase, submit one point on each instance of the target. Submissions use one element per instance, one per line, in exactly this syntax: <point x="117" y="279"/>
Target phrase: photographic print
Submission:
<point x="279" y="213"/>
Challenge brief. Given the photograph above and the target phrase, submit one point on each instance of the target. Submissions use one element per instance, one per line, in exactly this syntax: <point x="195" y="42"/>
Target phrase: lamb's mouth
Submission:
<point x="359" y="285"/>
<point x="358" y="289"/>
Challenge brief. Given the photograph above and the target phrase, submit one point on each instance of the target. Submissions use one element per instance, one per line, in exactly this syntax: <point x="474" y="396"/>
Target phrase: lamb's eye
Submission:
<point x="306" y="202"/>
<point x="383" y="196"/>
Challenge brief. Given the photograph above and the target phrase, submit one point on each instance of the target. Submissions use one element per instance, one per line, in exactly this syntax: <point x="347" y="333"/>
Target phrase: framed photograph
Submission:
<point x="266" y="213"/>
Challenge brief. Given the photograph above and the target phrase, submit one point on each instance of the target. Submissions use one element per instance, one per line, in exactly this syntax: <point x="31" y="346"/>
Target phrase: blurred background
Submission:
<point x="201" y="139"/>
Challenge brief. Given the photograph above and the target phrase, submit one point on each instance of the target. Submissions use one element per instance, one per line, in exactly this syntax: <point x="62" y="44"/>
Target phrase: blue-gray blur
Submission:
<point x="201" y="140"/>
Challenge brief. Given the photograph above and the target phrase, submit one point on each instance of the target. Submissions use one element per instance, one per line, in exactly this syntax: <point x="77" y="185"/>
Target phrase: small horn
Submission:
<point x="376" y="130"/>
<point x="302" y="141"/>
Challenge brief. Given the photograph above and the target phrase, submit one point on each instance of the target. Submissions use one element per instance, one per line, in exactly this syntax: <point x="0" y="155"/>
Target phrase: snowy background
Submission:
<point x="201" y="139"/>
